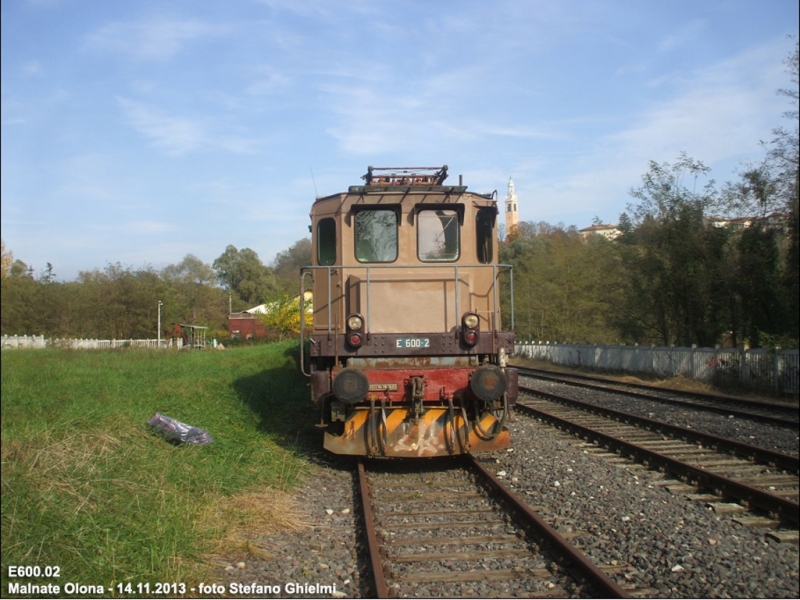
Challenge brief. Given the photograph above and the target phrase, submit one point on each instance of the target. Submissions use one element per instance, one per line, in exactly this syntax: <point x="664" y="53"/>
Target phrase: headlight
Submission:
<point x="471" y="321"/>
<point x="355" y="322"/>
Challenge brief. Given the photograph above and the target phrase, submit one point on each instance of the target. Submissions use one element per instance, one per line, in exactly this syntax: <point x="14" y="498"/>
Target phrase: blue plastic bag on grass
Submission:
<point x="175" y="431"/>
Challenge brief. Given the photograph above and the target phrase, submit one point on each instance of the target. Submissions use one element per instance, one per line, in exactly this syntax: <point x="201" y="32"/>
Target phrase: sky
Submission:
<point x="137" y="132"/>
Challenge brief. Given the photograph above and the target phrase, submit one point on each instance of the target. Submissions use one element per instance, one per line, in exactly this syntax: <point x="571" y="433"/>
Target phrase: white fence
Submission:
<point x="757" y="369"/>
<point x="39" y="341"/>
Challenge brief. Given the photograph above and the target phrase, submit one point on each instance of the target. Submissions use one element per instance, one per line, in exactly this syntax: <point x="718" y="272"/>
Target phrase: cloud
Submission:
<point x="31" y="68"/>
<point x="715" y="112"/>
<point x="149" y="227"/>
<point x="152" y="40"/>
<point x="325" y="10"/>
<point x="684" y="35"/>
<point x="177" y="135"/>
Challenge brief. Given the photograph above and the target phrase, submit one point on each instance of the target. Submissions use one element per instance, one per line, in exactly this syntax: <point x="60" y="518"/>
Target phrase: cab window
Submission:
<point x="376" y="235"/>
<point x="437" y="235"/>
<point x="484" y="227"/>
<point x="326" y="242"/>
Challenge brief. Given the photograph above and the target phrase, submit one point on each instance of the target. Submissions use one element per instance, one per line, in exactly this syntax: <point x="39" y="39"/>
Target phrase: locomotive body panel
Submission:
<point x="401" y="275"/>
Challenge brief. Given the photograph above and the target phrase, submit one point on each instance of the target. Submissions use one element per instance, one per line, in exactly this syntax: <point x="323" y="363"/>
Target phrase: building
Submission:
<point x="774" y="221"/>
<point x="610" y="232"/>
<point x="512" y="212"/>
<point x="247" y="325"/>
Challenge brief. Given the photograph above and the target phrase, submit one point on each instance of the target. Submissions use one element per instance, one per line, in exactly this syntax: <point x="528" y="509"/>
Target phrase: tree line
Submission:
<point x="120" y="302"/>
<point x="673" y="276"/>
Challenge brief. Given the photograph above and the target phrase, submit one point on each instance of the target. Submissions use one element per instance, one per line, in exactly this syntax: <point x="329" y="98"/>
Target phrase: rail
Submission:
<point x="309" y="270"/>
<point x="785" y="507"/>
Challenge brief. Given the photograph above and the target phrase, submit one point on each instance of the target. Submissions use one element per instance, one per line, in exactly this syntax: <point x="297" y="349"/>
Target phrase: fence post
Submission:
<point x="691" y="361"/>
<point x="775" y="375"/>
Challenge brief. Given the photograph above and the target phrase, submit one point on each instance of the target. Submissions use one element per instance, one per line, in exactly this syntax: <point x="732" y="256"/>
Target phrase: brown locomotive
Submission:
<point x="407" y="351"/>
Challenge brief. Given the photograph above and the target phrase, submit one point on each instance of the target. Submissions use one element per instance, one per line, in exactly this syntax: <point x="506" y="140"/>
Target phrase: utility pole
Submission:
<point x="159" y="323"/>
<point x="230" y="303"/>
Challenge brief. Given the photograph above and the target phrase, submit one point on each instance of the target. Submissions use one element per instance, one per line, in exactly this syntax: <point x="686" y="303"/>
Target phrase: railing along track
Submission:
<point x="411" y="520"/>
<point x="707" y="458"/>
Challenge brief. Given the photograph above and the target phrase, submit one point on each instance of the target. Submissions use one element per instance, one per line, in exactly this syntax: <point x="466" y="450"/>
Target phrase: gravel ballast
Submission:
<point x="674" y="547"/>
<point x="661" y="545"/>
<point x="764" y="435"/>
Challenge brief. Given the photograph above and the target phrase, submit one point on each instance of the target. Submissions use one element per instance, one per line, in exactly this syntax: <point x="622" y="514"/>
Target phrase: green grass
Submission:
<point x="88" y="487"/>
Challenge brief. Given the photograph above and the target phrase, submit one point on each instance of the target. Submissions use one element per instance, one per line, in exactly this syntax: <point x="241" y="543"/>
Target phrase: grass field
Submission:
<point x="88" y="487"/>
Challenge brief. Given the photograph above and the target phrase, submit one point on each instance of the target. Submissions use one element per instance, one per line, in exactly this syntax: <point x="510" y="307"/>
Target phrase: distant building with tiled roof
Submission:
<point x="775" y="220"/>
<point x="610" y="232"/>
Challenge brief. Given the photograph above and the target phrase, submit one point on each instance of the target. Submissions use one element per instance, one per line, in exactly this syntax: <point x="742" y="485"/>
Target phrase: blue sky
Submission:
<point x="138" y="132"/>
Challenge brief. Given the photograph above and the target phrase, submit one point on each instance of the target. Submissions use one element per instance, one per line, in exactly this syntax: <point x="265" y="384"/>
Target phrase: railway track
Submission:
<point x="726" y="471"/>
<point x="777" y="413"/>
<point x="451" y="528"/>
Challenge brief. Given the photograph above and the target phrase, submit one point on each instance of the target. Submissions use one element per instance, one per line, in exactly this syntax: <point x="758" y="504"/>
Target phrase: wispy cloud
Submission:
<point x="326" y="9"/>
<point x="176" y="135"/>
<point x="158" y="39"/>
<point x="173" y="134"/>
<point x="31" y="68"/>
<point x="715" y="112"/>
<point x="684" y="35"/>
<point x="149" y="227"/>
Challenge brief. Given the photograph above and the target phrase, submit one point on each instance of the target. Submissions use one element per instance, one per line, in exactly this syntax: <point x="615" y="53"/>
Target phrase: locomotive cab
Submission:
<point x="407" y="350"/>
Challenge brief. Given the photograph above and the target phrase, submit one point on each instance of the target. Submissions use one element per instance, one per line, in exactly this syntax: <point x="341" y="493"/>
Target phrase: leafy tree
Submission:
<point x="7" y="260"/>
<point x="676" y="284"/>
<point x="287" y="265"/>
<point x="20" y="310"/>
<point x="191" y="297"/>
<point x="48" y="276"/>
<point x="563" y="283"/>
<point x="283" y="315"/>
<point x="664" y="194"/>
<point x="190" y="270"/>
<point x="763" y="309"/>
<point x="242" y="272"/>
<point x="20" y="269"/>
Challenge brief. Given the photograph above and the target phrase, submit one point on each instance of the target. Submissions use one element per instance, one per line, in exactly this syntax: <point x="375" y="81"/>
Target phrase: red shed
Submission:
<point x="247" y="324"/>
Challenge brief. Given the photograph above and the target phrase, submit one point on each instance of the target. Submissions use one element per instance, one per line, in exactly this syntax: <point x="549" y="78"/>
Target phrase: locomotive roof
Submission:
<point x="405" y="181"/>
<point x="397" y="190"/>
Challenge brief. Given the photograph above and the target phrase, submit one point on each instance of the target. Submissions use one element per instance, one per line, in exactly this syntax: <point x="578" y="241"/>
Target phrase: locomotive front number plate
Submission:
<point x="413" y="343"/>
<point x="380" y="387"/>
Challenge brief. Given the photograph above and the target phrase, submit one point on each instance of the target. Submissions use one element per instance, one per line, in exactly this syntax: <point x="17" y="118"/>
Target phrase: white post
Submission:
<point x="159" y="325"/>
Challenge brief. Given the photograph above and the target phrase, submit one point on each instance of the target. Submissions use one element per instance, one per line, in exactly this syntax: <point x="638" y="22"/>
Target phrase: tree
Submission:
<point x="242" y="272"/>
<point x="191" y="297"/>
<point x="7" y="260"/>
<point x="190" y="270"/>
<point x="677" y="286"/>
<point x="664" y="194"/>
<point x="758" y="285"/>
<point x="48" y="276"/>
<point x="283" y="315"/>
<point x="20" y="269"/>
<point x="287" y="265"/>
<point x="564" y="285"/>
<point x="755" y="194"/>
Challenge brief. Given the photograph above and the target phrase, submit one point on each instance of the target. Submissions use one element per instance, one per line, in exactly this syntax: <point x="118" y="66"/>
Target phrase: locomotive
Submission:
<point x="407" y="353"/>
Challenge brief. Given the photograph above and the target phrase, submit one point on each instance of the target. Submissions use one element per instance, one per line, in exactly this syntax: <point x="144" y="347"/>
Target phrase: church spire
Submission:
<point x="512" y="214"/>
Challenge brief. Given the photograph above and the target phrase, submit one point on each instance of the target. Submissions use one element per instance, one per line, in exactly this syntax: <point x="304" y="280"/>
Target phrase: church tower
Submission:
<point x="512" y="214"/>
